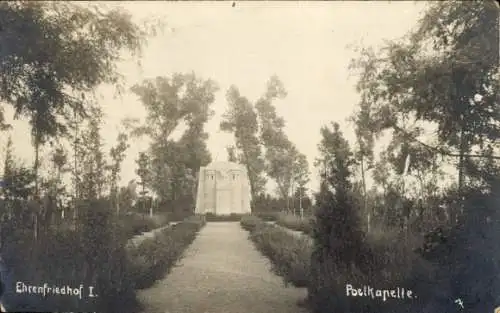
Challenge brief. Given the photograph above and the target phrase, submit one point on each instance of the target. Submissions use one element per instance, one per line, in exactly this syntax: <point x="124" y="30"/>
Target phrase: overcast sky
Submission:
<point x="304" y="43"/>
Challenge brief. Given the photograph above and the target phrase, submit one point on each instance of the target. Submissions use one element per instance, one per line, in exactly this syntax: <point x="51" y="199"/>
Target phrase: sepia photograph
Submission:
<point x="250" y="156"/>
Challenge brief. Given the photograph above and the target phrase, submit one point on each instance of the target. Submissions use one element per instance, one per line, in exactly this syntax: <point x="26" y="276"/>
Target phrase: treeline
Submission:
<point x="271" y="205"/>
<point x="262" y="145"/>
<point x="78" y="234"/>
<point x="49" y="80"/>
<point x="169" y="168"/>
<point x="414" y="226"/>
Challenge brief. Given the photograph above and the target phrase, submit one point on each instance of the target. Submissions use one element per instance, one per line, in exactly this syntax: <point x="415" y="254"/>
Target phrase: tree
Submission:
<point x="117" y="154"/>
<point x="8" y="166"/>
<point x="169" y="102"/>
<point x="364" y="154"/>
<point x="17" y="179"/>
<point x="302" y="200"/>
<point x="56" y="55"/>
<point x="338" y="235"/>
<point x="278" y="149"/>
<point x="92" y="159"/>
<point x="281" y="155"/>
<point x="231" y="154"/>
<point x="338" y="221"/>
<point x="280" y="167"/>
<point x="193" y="146"/>
<point x="17" y="187"/>
<point x="143" y="171"/>
<point x="445" y="73"/>
<point x="241" y="120"/>
<point x="301" y="178"/>
<point x="454" y="86"/>
<point x="59" y="160"/>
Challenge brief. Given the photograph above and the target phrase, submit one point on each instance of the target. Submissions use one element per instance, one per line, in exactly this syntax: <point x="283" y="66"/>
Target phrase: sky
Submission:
<point x="306" y="44"/>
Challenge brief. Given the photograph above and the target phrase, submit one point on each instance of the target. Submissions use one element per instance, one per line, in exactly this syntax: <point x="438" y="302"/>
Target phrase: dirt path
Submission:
<point x="222" y="272"/>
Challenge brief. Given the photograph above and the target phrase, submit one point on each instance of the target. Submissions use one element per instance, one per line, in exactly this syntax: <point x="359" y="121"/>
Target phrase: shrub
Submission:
<point x="295" y="222"/>
<point x="153" y="258"/>
<point x="289" y="255"/>
<point x="466" y="257"/>
<point x="93" y="255"/>
<point x="233" y="217"/>
<point x="160" y="220"/>
<point x="136" y="224"/>
<point x="267" y="216"/>
<point x="249" y="222"/>
<point x="341" y="254"/>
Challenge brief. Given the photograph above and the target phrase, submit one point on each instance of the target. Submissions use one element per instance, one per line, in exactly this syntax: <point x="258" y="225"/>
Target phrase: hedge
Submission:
<point x="289" y="255"/>
<point x="297" y="223"/>
<point x="153" y="258"/>
<point x="249" y="222"/>
<point x="135" y="224"/>
<point x="267" y="216"/>
<point x="94" y="254"/>
<point x="233" y="217"/>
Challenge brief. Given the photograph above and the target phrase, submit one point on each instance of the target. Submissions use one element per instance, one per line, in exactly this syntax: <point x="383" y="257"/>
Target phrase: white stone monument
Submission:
<point x="223" y="188"/>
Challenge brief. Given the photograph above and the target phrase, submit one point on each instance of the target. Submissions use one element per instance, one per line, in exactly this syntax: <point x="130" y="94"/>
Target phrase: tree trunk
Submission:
<point x="75" y="175"/>
<point x="250" y="174"/>
<point x="117" y="200"/>
<point x="365" y="205"/>
<point x="403" y="197"/>
<point x="300" y="203"/>
<point x="58" y="182"/>
<point x="143" y="198"/>
<point x="36" y="193"/>
<point x="36" y="166"/>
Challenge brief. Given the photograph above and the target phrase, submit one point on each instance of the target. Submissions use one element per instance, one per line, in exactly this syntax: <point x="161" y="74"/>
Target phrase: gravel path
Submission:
<point x="222" y="272"/>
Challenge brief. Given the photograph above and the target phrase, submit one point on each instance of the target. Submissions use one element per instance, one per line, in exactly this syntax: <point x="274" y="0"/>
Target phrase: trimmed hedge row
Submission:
<point x="153" y="258"/>
<point x="233" y="217"/>
<point x="135" y="224"/>
<point x="289" y="255"/>
<point x="297" y="223"/>
<point x="250" y="222"/>
<point x="267" y="216"/>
